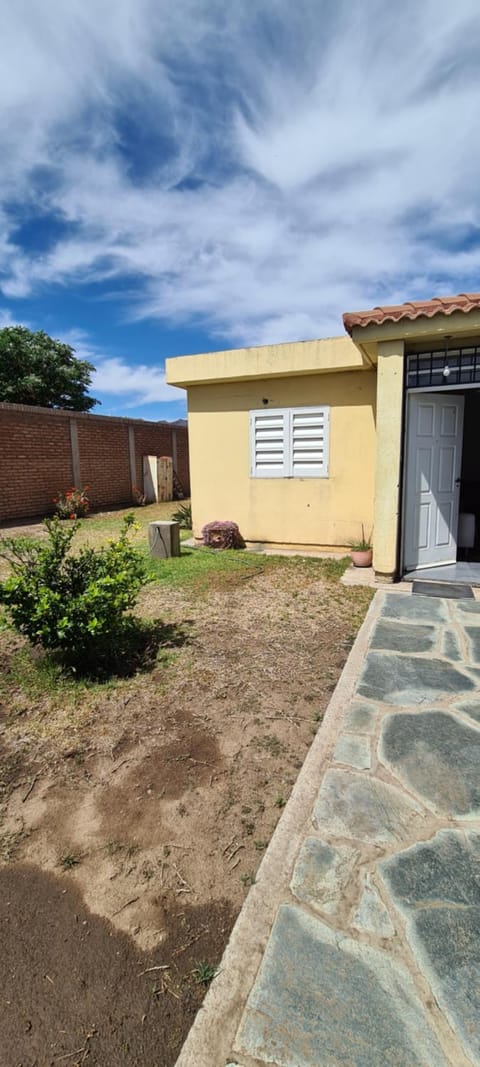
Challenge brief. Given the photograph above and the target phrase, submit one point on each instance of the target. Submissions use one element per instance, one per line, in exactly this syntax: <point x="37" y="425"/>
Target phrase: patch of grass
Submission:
<point x="271" y="743"/>
<point x="204" y="973"/>
<point x="114" y="848"/>
<point x="141" y="645"/>
<point x="39" y="675"/>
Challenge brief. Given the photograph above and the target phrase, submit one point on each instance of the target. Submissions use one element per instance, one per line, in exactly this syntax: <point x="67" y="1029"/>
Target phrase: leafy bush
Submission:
<point x="74" y="504"/>
<point x="73" y="605"/>
<point x="183" y="515"/>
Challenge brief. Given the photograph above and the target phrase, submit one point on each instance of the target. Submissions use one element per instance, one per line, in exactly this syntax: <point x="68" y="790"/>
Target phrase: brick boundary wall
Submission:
<point x="44" y="451"/>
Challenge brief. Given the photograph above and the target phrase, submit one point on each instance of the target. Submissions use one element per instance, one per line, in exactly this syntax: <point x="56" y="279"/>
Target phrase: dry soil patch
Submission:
<point x="143" y="808"/>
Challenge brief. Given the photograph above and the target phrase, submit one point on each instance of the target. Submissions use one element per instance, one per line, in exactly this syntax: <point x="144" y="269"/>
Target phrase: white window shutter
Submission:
<point x="289" y="442"/>
<point x="309" y="442"/>
<point x="268" y="443"/>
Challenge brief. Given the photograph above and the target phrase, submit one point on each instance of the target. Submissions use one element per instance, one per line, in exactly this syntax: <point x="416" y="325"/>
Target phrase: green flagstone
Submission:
<point x="414" y="609"/>
<point x="363" y="808"/>
<point x="467" y="607"/>
<point x="371" y="916"/>
<point x="354" y="751"/>
<point x="323" y="1000"/>
<point x="436" y="886"/>
<point x="322" y="872"/>
<point x="451" y="648"/>
<point x="471" y="708"/>
<point x="473" y="634"/>
<point x="403" y="636"/>
<point x="437" y="756"/>
<point x="361" y="718"/>
<point x="396" y="679"/>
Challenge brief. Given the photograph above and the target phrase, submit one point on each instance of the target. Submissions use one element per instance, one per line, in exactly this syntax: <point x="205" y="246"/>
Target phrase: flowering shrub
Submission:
<point x="222" y="534"/>
<point x="73" y="605"/>
<point x="73" y="504"/>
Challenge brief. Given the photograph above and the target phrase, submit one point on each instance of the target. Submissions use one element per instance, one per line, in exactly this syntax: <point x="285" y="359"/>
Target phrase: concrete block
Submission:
<point x="164" y="539"/>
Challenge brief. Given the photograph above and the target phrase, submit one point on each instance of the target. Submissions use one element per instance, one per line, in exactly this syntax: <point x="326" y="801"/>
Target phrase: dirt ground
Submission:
<point x="135" y="814"/>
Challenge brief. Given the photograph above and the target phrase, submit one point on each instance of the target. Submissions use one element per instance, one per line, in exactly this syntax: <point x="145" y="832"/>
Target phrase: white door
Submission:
<point x="432" y="488"/>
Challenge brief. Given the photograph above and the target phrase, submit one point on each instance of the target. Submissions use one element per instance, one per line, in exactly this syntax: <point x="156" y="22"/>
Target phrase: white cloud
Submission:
<point x="6" y="318"/>
<point x="333" y="150"/>
<point x="117" y="377"/>
<point x="141" y="384"/>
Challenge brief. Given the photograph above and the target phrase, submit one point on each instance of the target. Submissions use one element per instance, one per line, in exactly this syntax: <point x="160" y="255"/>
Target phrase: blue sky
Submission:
<point x="192" y="175"/>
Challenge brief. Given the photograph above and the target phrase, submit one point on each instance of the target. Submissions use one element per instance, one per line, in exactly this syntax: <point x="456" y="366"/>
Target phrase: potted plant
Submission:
<point x="361" y="551"/>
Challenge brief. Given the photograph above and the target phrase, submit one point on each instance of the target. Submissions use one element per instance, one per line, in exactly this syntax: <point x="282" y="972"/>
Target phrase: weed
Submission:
<point x="260" y="845"/>
<point x="247" y="879"/>
<point x="114" y="847"/>
<point x="71" y="859"/>
<point x="271" y="743"/>
<point x="183" y="515"/>
<point x="204" y="973"/>
<point x="280" y="802"/>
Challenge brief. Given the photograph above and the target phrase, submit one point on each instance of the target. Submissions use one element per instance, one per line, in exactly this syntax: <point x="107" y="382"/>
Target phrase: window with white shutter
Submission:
<point x="289" y="442"/>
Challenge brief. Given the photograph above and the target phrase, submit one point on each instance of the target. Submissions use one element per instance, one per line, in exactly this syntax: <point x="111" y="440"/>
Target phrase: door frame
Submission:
<point x="403" y="514"/>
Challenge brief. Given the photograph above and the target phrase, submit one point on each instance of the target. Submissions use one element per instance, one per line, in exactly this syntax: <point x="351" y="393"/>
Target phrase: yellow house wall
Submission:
<point x="267" y="361"/>
<point x="390" y="372"/>
<point x="298" y="511"/>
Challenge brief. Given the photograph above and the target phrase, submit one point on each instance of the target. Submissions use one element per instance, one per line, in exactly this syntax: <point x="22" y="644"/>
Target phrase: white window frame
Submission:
<point x="285" y="469"/>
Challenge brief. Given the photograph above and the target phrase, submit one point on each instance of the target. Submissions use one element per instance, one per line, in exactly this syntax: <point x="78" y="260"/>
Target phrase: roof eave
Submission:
<point x="438" y="326"/>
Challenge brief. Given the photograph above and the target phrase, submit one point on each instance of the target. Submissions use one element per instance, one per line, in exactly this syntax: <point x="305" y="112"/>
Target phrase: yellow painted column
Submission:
<point x="390" y="373"/>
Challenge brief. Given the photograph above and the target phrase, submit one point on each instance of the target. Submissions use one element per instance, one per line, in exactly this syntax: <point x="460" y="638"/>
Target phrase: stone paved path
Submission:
<point x="373" y="958"/>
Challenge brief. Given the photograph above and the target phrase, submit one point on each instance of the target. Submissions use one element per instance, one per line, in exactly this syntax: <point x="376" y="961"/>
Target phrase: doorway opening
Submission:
<point x="441" y="493"/>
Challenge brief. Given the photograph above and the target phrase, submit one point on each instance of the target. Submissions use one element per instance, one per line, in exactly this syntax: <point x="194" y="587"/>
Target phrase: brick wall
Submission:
<point x="44" y="451"/>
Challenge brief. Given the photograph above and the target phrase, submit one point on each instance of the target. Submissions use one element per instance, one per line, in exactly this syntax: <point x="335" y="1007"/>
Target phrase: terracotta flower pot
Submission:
<point x="362" y="558"/>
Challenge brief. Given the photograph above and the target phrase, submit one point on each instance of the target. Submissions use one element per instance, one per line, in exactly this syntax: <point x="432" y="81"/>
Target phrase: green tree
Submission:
<point x="35" y="369"/>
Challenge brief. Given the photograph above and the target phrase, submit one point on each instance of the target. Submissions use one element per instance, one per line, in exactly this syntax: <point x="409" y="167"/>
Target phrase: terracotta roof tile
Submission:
<point x="412" y="309"/>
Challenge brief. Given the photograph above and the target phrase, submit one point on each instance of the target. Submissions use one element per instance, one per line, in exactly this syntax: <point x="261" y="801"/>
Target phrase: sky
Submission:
<point x="184" y="176"/>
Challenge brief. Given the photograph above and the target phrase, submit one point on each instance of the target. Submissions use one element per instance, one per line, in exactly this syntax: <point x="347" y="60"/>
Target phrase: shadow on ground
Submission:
<point x="72" y="986"/>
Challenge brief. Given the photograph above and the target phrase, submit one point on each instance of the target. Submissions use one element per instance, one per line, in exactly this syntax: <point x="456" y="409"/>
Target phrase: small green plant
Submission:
<point x="69" y="860"/>
<point x="271" y="743"/>
<point x="74" y="504"/>
<point x="204" y="973"/>
<point x="364" y="544"/>
<point x="74" y="605"/>
<point x="280" y="802"/>
<point x="183" y="515"/>
<point x="247" y="879"/>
